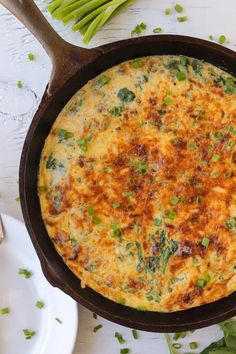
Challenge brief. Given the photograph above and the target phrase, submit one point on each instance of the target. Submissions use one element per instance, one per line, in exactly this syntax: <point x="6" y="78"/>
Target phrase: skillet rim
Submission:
<point x="166" y="322"/>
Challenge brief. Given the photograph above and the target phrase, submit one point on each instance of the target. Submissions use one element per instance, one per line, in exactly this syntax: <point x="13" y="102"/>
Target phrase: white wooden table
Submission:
<point x="17" y="106"/>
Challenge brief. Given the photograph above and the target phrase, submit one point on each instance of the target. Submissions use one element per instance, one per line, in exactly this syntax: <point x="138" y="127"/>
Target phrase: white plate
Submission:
<point x="20" y="295"/>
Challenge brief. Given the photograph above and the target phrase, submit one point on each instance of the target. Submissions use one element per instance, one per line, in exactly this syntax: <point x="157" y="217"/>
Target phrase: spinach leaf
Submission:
<point x="168" y="252"/>
<point x="52" y="163"/>
<point x="219" y="344"/>
<point x="223" y="350"/>
<point x="197" y="66"/>
<point x="229" y="329"/>
<point x="125" y="95"/>
<point x="153" y="263"/>
<point x="230" y="340"/>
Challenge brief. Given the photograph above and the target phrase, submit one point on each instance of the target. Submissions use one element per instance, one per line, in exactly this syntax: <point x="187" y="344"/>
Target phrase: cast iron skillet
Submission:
<point x="72" y="68"/>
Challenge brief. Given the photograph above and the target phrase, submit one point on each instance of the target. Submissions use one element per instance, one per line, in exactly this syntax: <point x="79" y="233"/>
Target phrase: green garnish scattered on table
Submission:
<point x="222" y="39"/>
<point x="58" y="320"/>
<point x="40" y="304"/>
<point x="96" y="328"/>
<point x="139" y="29"/>
<point x="19" y="84"/>
<point x="193" y="345"/>
<point x="31" y="56"/>
<point x="135" y="334"/>
<point x="28" y="333"/>
<point x="182" y="18"/>
<point x="178" y="8"/>
<point x="5" y="310"/>
<point x="87" y="16"/>
<point x="27" y="274"/>
<point x="125" y="351"/>
<point x="120" y="338"/>
<point x="157" y="30"/>
<point x="167" y="11"/>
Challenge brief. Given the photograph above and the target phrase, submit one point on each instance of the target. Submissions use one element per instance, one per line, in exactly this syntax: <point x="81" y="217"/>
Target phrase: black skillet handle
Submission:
<point x="66" y="58"/>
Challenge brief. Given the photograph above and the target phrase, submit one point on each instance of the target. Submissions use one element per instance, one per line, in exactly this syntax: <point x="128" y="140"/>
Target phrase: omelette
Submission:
<point x="137" y="183"/>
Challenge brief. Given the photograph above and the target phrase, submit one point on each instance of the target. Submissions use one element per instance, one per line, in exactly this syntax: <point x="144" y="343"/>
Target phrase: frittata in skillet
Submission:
<point x="137" y="183"/>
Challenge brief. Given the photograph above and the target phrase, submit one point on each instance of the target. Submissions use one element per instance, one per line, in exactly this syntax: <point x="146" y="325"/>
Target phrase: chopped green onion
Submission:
<point x="122" y="301"/>
<point x="222" y="39"/>
<point x="177" y="345"/>
<point x="64" y="134"/>
<point x="90" y="210"/>
<point x="28" y="333"/>
<point x="31" y="56"/>
<point x="95" y="315"/>
<point x="167" y="11"/>
<point x="139" y="29"/>
<point x="115" y="205"/>
<point x="96" y="328"/>
<point x="201" y="283"/>
<point x="74" y="242"/>
<point x="120" y="338"/>
<point x="192" y="146"/>
<point x="102" y="80"/>
<point x="96" y="219"/>
<point x="82" y="144"/>
<point x="125" y="351"/>
<point x="178" y="8"/>
<point x="174" y="200"/>
<point x="142" y="167"/>
<point x="179" y="335"/>
<point x="171" y="214"/>
<point x="17" y="199"/>
<point x="215" y="158"/>
<point x="135" y="334"/>
<point x="205" y="242"/>
<point x="116" y="111"/>
<point x="180" y="76"/>
<point x="157" y="222"/>
<point x="5" y="310"/>
<point x="168" y="101"/>
<point x="211" y="38"/>
<point x="141" y="308"/>
<point x="182" y="19"/>
<point x="137" y="63"/>
<point x="40" y="304"/>
<point x="193" y="345"/>
<point x="58" y="320"/>
<point x="218" y="135"/>
<point x="19" y="84"/>
<point x="27" y="274"/>
<point x="157" y="30"/>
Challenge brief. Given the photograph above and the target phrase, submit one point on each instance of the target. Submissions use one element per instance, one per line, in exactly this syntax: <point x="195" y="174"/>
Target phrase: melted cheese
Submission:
<point x="137" y="183"/>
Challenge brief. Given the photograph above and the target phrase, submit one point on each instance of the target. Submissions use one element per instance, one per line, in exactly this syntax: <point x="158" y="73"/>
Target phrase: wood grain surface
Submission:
<point x="17" y="107"/>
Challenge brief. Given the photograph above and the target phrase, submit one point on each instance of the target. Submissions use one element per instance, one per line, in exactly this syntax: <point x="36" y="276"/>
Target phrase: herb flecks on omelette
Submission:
<point x="137" y="183"/>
